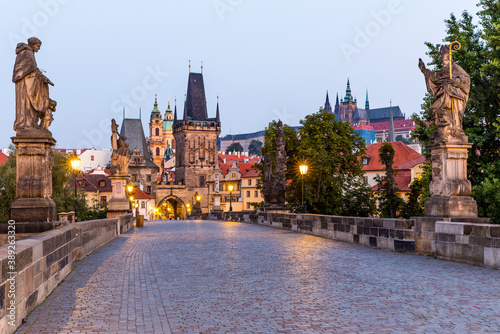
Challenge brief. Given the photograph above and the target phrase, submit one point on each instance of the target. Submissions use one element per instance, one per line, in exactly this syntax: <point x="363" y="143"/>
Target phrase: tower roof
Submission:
<point x="196" y="105"/>
<point x="168" y="111"/>
<point x="132" y="129"/>
<point x="367" y="103"/>
<point x="348" y="96"/>
<point x="156" y="113"/>
<point x="328" y="107"/>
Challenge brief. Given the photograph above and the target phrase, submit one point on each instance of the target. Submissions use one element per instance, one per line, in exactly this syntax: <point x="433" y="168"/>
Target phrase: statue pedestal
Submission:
<point x="216" y="203"/>
<point x="449" y="189"/>
<point x="118" y="204"/>
<point x="34" y="161"/>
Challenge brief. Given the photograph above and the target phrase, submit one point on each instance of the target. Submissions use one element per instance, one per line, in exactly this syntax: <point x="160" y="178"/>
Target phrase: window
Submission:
<point x="238" y="186"/>
<point x="256" y="193"/>
<point x="248" y="205"/>
<point x="134" y="177"/>
<point x="103" y="200"/>
<point x="249" y="182"/>
<point x="202" y="181"/>
<point x="91" y="158"/>
<point x="366" y="161"/>
<point x="157" y="132"/>
<point x="248" y="193"/>
<point x="143" y="205"/>
<point x="102" y="183"/>
<point x="233" y="175"/>
<point x="366" y="179"/>
<point x="148" y="189"/>
<point x="418" y="176"/>
<point x="157" y="150"/>
<point x="148" y="178"/>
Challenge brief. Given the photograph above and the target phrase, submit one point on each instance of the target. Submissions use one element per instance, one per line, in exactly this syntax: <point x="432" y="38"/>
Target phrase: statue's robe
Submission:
<point x="446" y="94"/>
<point x="32" y="90"/>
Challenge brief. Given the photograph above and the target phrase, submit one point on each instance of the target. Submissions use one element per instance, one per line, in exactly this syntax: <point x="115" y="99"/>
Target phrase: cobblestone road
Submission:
<point x="221" y="277"/>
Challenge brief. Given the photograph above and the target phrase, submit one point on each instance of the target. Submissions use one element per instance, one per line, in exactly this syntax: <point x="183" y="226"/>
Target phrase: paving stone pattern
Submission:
<point x="224" y="277"/>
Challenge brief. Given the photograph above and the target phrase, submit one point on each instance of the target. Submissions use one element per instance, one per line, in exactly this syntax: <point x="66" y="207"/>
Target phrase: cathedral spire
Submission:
<point x="175" y="111"/>
<point x="367" y="103"/>
<point x="348" y="97"/>
<point x="391" y="125"/>
<point x="328" y="107"/>
<point x="217" y="115"/>
<point x="155" y="113"/>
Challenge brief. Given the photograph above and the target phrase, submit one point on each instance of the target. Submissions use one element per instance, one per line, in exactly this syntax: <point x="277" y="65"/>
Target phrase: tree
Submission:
<point x="234" y="147"/>
<point x="479" y="56"/>
<point x="7" y="185"/>
<point x="334" y="183"/>
<point x="414" y="206"/>
<point x="390" y="202"/>
<point x="404" y="140"/>
<point x="255" y="147"/>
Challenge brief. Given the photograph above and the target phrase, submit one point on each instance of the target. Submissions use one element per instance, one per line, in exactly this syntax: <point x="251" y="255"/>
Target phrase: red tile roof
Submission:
<point x="252" y="173"/>
<point x="404" y="158"/>
<point x="139" y="194"/>
<point x="406" y="124"/>
<point x="91" y="182"/>
<point x="3" y="158"/>
<point x="243" y="166"/>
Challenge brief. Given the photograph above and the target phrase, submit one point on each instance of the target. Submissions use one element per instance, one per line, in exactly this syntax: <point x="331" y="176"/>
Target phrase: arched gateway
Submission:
<point x="171" y="207"/>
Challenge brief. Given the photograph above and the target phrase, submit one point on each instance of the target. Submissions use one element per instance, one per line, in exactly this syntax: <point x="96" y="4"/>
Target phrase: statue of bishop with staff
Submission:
<point x="450" y="88"/>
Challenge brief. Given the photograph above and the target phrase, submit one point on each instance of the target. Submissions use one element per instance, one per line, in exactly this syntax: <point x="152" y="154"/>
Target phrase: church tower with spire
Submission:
<point x="156" y="141"/>
<point x="328" y="107"/>
<point x="196" y="139"/>
<point x="348" y="106"/>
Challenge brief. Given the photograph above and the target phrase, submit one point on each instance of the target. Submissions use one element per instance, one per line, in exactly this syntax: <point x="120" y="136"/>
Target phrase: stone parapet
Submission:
<point x="467" y="240"/>
<point x="44" y="260"/>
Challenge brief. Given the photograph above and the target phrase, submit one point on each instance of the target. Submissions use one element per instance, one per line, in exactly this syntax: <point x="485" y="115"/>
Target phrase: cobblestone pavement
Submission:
<point x="222" y="277"/>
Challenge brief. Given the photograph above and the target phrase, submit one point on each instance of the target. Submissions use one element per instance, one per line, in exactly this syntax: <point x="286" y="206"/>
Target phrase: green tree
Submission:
<point x="413" y="207"/>
<point x="390" y="202"/>
<point x="404" y="140"/>
<point x="234" y="147"/>
<point x="479" y="56"/>
<point x="7" y="185"/>
<point x="255" y="147"/>
<point x="334" y="182"/>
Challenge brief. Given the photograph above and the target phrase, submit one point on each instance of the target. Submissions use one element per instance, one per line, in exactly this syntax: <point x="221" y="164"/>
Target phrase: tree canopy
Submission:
<point x="234" y="147"/>
<point x="255" y="147"/>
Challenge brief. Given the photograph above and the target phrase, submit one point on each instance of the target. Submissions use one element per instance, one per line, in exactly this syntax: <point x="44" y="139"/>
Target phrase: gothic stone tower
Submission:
<point x="348" y="105"/>
<point x="195" y="138"/>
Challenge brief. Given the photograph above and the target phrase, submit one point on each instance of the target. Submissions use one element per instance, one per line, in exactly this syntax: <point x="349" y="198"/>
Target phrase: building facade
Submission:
<point x="160" y="133"/>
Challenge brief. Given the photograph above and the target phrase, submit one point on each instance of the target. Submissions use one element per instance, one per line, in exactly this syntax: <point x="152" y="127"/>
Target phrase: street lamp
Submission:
<point x="75" y="164"/>
<point x="303" y="171"/>
<point x="230" y="188"/>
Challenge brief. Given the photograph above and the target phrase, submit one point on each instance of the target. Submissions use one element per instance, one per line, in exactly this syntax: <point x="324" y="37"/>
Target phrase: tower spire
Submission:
<point x="367" y="103"/>
<point x="348" y="97"/>
<point x="217" y="115"/>
<point x="175" y="111"/>
<point x="391" y="124"/>
<point x="328" y="107"/>
<point x="202" y="67"/>
<point x="189" y="65"/>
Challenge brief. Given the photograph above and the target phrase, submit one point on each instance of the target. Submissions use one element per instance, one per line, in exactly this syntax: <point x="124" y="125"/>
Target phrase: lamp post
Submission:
<point x="230" y="188"/>
<point x="75" y="164"/>
<point x="303" y="171"/>
<point x="130" y="189"/>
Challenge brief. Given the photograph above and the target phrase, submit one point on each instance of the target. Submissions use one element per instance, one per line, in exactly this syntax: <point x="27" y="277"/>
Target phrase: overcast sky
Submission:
<point x="267" y="59"/>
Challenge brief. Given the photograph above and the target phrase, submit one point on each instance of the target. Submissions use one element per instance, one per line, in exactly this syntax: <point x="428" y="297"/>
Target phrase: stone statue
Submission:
<point x="450" y="89"/>
<point x="267" y="188"/>
<point x="32" y="90"/>
<point x="216" y="185"/>
<point x="279" y="182"/>
<point x="274" y="186"/>
<point x="121" y="153"/>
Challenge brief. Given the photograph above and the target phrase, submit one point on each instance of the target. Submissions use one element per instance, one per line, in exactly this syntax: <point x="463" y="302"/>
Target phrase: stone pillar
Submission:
<point x="34" y="161"/>
<point x="216" y="203"/>
<point x="449" y="189"/>
<point x="118" y="204"/>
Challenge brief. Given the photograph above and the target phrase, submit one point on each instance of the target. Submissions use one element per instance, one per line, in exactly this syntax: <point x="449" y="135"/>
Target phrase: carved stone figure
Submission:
<point x="279" y="182"/>
<point x="274" y="186"/>
<point x="32" y="90"/>
<point x="120" y="157"/>
<point x="450" y="89"/>
<point x="267" y="188"/>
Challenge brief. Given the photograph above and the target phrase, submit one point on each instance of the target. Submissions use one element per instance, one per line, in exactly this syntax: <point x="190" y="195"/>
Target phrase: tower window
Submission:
<point x="157" y="150"/>
<point x="157" y="132"/>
